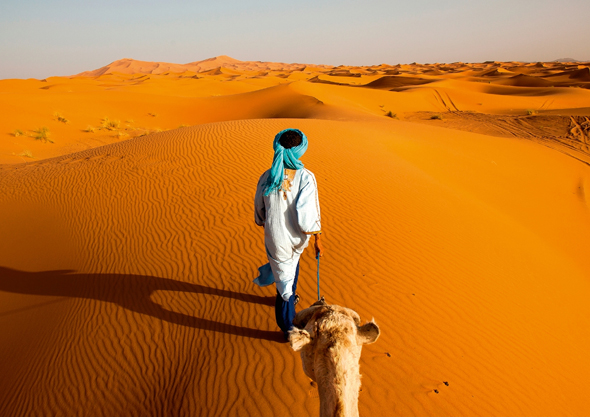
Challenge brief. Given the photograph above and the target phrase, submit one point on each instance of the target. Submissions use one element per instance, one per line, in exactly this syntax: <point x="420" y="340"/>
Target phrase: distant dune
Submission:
<point x="131" y="66"/>
<point x="455" y="209"/>
<point x="568" y="60"/>
<point x="142" y="97"/>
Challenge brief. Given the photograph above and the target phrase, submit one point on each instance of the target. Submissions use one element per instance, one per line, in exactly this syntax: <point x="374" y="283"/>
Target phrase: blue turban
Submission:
<point x="284" y="158"/>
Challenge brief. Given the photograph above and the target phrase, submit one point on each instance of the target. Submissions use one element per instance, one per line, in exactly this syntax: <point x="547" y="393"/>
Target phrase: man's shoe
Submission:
<point x="295" y="299"/>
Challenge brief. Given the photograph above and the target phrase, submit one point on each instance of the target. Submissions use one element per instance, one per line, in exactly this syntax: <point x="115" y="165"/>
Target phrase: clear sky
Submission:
<point x="63" y="37"/>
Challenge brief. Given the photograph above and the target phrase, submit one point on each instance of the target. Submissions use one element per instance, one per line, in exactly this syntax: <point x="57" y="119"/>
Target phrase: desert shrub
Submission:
<point x="153" y="114"/>
<point x="122" y="134"/>
<point x="110" y="124"/>
<point x="59" y="117"/>
<point x="392" y="115"/>
<point x="436" y="117"/>
<point x="89" y="129"/>
<point x="42" y="134"/>
<point x="18" y="133"/>
<point x="530" y="112"/>
<point x="26" y="153"/>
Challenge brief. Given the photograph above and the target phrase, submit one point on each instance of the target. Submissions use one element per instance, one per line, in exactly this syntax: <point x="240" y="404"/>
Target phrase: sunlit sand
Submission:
<point x="455" y="204"/>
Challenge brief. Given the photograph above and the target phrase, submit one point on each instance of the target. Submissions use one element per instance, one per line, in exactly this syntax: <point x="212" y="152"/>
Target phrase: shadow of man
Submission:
<point x="132" y="292"/>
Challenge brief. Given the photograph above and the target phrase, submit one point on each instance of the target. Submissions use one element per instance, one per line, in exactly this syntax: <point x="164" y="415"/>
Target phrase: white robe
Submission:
<point x="288" y="224"/>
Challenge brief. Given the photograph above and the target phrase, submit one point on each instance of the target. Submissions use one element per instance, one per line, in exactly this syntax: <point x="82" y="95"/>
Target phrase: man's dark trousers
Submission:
<point x="285" y="310"/>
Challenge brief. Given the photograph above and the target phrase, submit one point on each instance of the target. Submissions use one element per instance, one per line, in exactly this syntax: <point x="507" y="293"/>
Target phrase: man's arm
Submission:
<point x="308" y="211"/>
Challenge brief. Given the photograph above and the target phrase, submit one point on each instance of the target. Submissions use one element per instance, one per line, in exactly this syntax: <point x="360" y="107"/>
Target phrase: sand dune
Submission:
<point x="126" y="262"/>
<point x="523" y="80"/>
<point x="152" y="96"/>
<point x="132" y="66"/>
<point x="389" y="82"/>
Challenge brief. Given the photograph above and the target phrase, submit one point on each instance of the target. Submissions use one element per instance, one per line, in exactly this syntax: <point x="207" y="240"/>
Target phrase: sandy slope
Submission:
<point x="455" y="207"/>
<point x="143" y="97"/>
<point x="125" y="274"/>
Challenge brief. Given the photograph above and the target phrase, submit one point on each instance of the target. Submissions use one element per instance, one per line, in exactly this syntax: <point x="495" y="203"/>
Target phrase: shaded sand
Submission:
<point x="459" y="221"/>
<point x="125" y="282"/>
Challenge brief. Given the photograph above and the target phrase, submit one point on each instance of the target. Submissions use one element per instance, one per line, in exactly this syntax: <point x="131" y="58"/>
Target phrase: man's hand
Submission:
<point x="319" y="248"/>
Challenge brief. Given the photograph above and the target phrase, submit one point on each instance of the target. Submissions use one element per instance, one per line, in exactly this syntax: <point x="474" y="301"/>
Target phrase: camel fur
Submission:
<point x="330" y="339"/>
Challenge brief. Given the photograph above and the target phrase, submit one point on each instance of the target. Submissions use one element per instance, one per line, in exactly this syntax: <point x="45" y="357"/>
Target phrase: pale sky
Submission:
<point x="63" y="37"/>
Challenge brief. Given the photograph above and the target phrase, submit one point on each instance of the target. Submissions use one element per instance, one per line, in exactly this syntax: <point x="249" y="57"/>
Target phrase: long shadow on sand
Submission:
<point x="132" y="292"/>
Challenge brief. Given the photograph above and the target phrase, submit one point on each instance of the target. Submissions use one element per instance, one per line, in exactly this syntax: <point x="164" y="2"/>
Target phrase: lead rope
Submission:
<point x="318" y="276"/>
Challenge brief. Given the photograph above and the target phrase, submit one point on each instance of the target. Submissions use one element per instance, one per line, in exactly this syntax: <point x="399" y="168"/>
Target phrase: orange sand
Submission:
<point x="125" y="269"/>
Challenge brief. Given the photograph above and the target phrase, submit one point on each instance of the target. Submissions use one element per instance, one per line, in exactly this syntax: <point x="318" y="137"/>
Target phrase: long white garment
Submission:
<point x="289" y="218"/>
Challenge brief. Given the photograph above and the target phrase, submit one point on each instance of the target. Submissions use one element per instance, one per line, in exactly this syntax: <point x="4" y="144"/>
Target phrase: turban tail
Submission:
<point x="284" y="158"/>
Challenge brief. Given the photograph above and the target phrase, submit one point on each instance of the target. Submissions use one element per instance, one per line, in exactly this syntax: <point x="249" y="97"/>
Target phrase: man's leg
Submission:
<point x="285" y="310"/>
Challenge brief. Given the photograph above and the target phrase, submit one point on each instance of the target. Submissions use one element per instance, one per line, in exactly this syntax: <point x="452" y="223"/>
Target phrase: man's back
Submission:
<point x="289" y="216"/>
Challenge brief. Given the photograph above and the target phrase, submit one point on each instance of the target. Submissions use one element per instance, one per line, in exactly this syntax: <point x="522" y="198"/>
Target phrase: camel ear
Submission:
<point x="368" y="333"/>
<point x="298" y="339"/>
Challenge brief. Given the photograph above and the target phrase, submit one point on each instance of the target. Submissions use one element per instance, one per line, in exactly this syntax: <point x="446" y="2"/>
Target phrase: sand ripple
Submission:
<point x="125" y="274"/>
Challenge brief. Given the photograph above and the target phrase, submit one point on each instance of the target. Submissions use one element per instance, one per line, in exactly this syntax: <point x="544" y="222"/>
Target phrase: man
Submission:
<point x="286" y="204"/>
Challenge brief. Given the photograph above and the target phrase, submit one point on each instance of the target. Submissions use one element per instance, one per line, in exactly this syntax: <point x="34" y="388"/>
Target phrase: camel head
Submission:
<point x="330" y="339"/>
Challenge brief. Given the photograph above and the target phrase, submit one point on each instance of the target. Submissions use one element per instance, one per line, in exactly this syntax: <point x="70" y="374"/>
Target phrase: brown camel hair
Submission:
<point x="330" y="339"/>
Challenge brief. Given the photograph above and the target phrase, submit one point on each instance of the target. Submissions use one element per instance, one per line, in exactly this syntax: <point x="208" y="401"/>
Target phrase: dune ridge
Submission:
<point x="132" y="66"/>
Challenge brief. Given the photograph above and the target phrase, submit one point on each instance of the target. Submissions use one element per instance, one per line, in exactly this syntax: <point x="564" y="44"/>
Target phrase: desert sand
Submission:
<point x="455" y="210"/>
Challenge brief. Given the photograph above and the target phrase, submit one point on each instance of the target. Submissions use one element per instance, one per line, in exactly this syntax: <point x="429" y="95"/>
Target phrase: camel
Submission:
<point x="330" y="339"/>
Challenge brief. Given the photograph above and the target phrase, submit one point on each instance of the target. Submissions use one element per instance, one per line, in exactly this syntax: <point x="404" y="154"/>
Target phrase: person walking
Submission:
<point x="287" y="205"/>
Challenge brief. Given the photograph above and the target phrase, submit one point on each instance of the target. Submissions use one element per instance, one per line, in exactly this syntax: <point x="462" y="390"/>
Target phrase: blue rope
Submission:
<point x="318" y="277"/>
